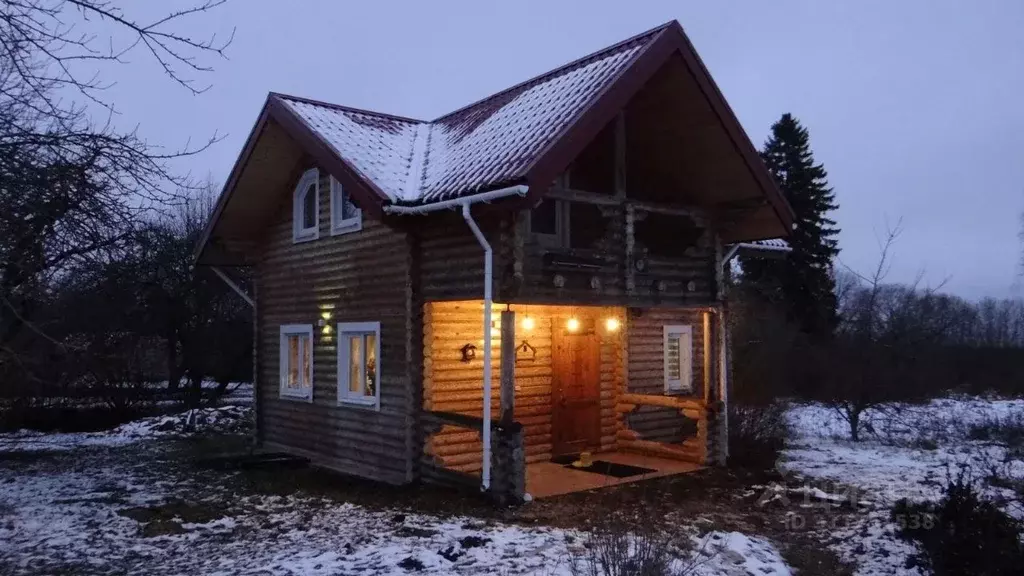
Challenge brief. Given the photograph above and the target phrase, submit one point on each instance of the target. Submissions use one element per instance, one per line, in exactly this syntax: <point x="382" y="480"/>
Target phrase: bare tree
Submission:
<point x="886" y="335"/>
<point x="72" y="187"/>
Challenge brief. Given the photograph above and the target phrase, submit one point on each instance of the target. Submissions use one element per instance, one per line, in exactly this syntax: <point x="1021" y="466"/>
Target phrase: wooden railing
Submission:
<point x="693" y="449"/>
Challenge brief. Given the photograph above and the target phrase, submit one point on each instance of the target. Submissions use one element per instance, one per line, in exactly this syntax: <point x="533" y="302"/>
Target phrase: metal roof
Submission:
<point x="484" y="145"/>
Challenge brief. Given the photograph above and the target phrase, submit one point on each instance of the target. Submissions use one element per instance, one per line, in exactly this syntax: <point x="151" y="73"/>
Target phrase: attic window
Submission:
<point x="345" y="216"/>
<point x="305" y="207"/>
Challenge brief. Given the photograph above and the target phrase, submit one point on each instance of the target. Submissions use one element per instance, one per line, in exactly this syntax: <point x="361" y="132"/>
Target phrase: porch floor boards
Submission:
<point x="547" y="479"/>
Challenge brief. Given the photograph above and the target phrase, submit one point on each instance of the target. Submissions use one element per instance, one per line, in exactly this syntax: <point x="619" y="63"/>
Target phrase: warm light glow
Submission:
<point x="612" y="324"/>
<point x="572" y="325"/>
<point x="528" y="323"/>
<point x="326" y="315"/>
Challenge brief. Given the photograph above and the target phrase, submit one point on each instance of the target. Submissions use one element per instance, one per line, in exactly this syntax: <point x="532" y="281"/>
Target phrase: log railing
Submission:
<point x="508" y="467"/>
<point x="693" y="449"/>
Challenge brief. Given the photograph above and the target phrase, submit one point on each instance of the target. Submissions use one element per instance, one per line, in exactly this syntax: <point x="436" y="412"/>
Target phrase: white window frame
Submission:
<point x="345" y="396"/>
<point x="300" y="234"/>
<point x="684" y="385"/>
<point x="292" y="330"/>
<point x="341" y="225"/>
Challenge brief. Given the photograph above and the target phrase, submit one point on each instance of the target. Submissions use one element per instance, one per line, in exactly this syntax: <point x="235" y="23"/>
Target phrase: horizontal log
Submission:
<point x="676" y="402"/>
<point x="682" y="452"/>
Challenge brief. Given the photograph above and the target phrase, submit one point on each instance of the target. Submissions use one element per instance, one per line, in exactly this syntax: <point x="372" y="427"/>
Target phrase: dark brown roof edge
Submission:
<point x="327" y="156"/>
<point x="229" y="186"/>
<point x="346" y="108"/>
<point x="579" y="131"/>
<point x="617" y="93"/>
<point x="368" y="195"/>
<point x="556" y="71"/>
<point x="735" y="130"/>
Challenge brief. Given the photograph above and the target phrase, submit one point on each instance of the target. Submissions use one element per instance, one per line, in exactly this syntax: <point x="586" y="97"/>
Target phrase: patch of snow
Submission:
<point x="737" y="554"/>
<point x="224" y="419"/>
<point x="480" y="146"/>
<point x="126" y="510"/>
<point x="911" y="451"/>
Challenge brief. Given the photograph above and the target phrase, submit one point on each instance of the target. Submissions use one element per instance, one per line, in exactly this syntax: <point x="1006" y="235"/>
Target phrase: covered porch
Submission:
<point x="567" y="380"/>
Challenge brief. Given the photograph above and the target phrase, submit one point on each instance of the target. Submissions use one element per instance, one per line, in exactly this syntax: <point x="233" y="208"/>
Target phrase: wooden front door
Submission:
<point x="575" y="390"/>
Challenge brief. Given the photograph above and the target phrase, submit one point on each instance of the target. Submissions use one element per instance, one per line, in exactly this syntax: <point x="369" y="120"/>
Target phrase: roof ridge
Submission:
<point x="347" y="108"/>
<point x="556" y="70"/>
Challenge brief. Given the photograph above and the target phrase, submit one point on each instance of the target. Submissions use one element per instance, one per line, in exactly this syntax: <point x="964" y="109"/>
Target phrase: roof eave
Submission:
<point x="367" y="194"/>
<point x="672" y="39"/>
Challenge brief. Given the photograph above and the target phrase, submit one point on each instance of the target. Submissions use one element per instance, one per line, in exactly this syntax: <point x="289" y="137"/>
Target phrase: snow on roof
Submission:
<point x="771" y="244"/>
<point x="481" y="146"/>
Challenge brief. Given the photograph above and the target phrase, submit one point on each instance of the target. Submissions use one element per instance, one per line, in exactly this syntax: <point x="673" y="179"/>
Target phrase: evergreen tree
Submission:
<point x="802" y="283"/>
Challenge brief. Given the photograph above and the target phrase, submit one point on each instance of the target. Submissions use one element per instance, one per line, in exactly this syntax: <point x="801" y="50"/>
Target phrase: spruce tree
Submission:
<point x="802" y="283"/>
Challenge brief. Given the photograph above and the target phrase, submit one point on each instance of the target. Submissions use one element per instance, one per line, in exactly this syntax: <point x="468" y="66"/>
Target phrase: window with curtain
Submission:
<point x="296" y="361"/>
<point x="358" y="364"/>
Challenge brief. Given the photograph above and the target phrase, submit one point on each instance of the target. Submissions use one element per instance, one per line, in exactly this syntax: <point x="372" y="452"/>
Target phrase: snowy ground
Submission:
<point x="123" y="502"/>
<point x="910" y="453"/>
<point x="221" y="420"/>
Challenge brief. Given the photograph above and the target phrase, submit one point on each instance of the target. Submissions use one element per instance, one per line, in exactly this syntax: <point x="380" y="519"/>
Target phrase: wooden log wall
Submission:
<point x="451" y="260"/>
<point x="678" y="278"/>
<point x="357" y="277"/>
<point x="653" y="421"/>
<point x="451" y="385"/>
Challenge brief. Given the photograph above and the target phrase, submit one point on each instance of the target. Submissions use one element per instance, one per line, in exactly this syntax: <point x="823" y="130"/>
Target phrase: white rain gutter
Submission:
<point x="238" y="289"/>
<point x="454" y="203"/>
<point x="465" y="203"/>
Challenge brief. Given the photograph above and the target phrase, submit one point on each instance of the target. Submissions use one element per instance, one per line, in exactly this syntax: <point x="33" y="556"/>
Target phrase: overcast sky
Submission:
<point x="916" y="108"/>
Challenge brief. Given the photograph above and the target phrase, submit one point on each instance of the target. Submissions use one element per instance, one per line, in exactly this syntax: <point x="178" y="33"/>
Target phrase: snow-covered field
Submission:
<point x="910" y="452"/>
<point x="125" y="502"/>
<point x="122" y="503"/>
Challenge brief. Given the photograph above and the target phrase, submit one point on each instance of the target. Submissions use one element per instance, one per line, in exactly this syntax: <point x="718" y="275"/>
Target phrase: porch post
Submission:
<point x="508" y="366"/>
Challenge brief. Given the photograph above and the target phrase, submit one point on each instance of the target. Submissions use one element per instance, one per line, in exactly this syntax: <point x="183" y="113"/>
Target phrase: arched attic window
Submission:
<point x="306" y="207"/>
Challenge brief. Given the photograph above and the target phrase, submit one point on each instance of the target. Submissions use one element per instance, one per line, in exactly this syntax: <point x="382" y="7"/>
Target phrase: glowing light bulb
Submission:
<point x="573" y="325"/>
<point x="528" y="323"/>
<point x="611" y="324"/>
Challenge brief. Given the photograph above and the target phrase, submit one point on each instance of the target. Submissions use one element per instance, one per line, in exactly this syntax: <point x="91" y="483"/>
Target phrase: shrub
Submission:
<point x="757" y="434"/>
<point x="963" y="533"/>
<point x="615" y="550"/>
<point x="1008" y="430"/>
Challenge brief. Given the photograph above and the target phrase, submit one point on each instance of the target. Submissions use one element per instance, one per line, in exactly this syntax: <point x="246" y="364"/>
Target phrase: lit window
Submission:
<point x="297" y="361"/>
<point x="358" y="368"/>
<point x="679" y="359"/>
<point x="345" y="216"/>
<point x="305" y="207"/>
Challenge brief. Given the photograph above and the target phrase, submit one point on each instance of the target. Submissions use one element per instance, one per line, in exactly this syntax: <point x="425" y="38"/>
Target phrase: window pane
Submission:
<point x="309" y="207"/>
<point x="543" y="218"/>
<point x="348" y="209"/>
<point x="293" y="377"/>
<point x="307" y="360"/>
<point x="672" y="355"/>
<point x="355" y="355"/>
<point x="371" y="365"/>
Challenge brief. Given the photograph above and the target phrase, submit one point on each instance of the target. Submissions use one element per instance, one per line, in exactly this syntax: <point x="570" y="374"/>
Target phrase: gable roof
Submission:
<point x="484" y="145"/>
<point x="525" y="134"/>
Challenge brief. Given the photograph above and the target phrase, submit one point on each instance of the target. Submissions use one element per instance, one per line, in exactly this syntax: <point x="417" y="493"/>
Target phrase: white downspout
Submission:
<point x="488" y="277"/>
<point x="465" y="203"/>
